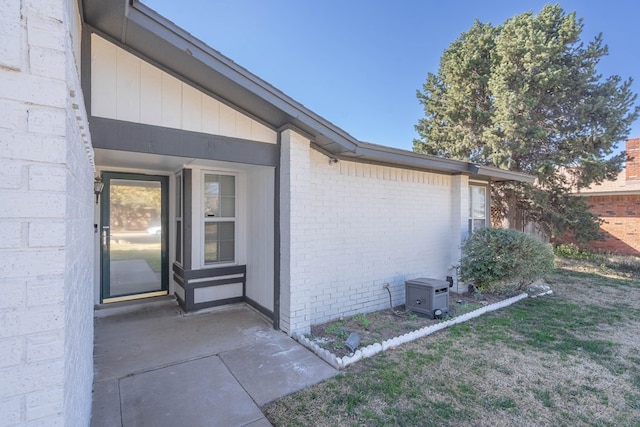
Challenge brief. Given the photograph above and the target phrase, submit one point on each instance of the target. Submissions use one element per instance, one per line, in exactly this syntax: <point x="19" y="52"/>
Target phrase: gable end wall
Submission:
<point x="125" y="87"/>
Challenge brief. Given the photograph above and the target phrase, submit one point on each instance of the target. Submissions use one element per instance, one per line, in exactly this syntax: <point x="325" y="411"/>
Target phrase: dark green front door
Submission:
<point x="134" y="236"/>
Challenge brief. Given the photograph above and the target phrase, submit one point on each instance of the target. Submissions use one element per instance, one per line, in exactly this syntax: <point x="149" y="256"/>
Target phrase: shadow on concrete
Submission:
<point x="155" y="366"/>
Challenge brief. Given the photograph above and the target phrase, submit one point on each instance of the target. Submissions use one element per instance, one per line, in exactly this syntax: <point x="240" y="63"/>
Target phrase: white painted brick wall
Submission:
<point x="369" y="225"/>
<point x="295" y="280"/>
<point x="46" y="211"/>
<point x="459" y="214"/>
<point x="349" y="228"/>
<point x="13" y="116"/>
<point x="10" y="235"/>
<point x="10" y="35"/>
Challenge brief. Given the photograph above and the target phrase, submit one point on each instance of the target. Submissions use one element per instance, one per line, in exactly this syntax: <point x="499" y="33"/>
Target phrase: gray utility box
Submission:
<point x="427" y="296"/>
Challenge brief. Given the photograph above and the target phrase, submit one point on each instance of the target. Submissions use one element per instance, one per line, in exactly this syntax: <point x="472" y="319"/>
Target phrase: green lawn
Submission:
<point x="570" y="359"/>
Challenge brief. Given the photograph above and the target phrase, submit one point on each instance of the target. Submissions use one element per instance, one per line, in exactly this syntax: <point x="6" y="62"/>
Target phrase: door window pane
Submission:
<point x="135" y="244"/>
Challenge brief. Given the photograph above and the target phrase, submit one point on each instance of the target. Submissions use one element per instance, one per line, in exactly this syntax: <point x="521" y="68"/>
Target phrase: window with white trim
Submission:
<point x="219" y="218"/>
<point x="477" y="207"/>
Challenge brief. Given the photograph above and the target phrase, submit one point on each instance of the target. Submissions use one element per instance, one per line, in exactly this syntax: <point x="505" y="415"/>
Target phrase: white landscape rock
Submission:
<point x="538" y="290"/>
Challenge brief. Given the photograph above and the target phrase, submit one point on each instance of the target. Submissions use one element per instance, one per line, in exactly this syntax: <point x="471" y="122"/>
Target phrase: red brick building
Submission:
<point x="618" y="204"/>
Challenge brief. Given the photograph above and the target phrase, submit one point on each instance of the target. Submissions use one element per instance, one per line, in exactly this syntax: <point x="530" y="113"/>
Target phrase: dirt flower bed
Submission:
<point x="385" y="324"/>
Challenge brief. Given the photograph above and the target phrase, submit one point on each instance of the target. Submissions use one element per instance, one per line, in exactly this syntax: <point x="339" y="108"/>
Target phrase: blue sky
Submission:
<point x="358" y="63"/>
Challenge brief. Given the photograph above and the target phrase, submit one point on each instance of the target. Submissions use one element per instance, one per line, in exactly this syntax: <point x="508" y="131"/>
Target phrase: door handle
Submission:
<point x="105" y="231"/>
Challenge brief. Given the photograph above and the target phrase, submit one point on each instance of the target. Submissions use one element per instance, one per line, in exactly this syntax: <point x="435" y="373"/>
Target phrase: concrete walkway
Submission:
<point x="155" y="366"/>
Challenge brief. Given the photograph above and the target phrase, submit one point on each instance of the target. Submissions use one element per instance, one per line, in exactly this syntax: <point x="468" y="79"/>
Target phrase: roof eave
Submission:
<point x="388" y="155"/>
<point x="141" y="29"/>
<point x="144" y="31"/>
<point x="500" y="175"/>
<point x="631" y="192"/>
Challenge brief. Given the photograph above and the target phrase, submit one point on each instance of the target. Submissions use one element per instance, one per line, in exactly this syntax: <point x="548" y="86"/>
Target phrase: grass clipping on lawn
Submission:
<point x="566" y="359"/>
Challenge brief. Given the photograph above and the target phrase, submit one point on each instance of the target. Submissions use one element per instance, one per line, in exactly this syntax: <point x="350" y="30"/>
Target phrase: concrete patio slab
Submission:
<point x="106" y="403"/>
<point x="156" y="336"/>
<point x="198" y="393"/>
<point x="273" y="369"/>
<point x="156" y="366"/>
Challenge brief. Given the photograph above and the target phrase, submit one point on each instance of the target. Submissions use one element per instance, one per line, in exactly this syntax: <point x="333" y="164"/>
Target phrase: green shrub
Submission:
<point x="501" y="261"/>
<point x="572" y="251"/>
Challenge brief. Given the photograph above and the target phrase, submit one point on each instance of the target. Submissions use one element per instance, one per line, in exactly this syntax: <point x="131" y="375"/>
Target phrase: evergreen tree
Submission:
<point x="526" y="96"/>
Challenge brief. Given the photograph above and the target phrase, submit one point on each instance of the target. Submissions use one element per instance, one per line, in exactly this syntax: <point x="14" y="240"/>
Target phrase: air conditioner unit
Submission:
<point x="427" y="296"/>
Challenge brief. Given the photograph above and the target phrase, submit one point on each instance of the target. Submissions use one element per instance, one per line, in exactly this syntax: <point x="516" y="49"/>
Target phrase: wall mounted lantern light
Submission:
<point x="98" y="186"/>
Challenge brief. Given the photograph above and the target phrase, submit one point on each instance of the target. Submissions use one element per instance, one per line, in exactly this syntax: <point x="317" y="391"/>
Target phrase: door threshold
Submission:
<point x="105" y="310"/>
<point x="134" y="297"/>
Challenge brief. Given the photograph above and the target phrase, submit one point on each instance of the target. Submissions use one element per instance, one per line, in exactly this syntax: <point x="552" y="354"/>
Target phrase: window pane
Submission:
<point x="210" y="242"/>
<point x="219" y="242"/>
<point x="478" y="202"/>
<point x="227" y="185"/>
<point x="226" y="230"/>
<point x="219" y="196"/>
<point x="226" y="251"/>
<point x="226" y="239"/>
<point x="211" y="195"/>
<point x="227" y="207"/>
<point x="478" y="224"/>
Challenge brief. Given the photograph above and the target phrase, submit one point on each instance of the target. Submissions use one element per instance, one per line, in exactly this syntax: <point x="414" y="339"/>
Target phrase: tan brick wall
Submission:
<point x="621" y="215"/>
<point x="633" y="167"/>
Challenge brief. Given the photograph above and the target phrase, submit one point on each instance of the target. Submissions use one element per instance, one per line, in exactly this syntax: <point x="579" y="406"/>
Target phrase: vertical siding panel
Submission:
<point x="243" y="126"/>
<point x="227" y="121"/>
<point x="191" y="109"/>
<point x="125" y="87"/>
<point x="103" y="78"/>
<point x="171" y="101"/>
<point x="210" y="115"/>
<point x="150" y="95"/>
<point x="257" y="131"/>
<point x="260" y="132"/>
<point x="128" y="87"/>
<point x="260" y="236"/>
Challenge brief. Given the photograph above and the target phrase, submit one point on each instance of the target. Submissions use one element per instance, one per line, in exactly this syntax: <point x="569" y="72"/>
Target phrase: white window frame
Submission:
<point x="487" y="208"/>
<point x="204" y="220"/>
